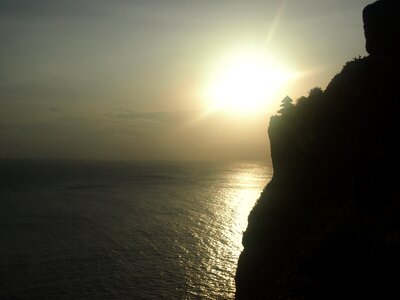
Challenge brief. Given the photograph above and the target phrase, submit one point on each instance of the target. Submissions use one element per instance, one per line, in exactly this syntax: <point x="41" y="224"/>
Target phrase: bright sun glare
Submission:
<point x="245" y="81"/>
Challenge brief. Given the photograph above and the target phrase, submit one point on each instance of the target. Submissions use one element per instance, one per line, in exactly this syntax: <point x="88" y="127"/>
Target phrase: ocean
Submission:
<point x="119" y="230"/>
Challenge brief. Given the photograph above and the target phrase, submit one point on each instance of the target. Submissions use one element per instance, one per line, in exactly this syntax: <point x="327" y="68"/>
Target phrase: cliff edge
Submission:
<point x="327" y="226"/>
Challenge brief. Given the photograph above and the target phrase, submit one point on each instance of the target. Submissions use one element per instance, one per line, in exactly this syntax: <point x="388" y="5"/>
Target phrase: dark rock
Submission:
<point x="327" y="225"/>
<point x="382" y="28"/>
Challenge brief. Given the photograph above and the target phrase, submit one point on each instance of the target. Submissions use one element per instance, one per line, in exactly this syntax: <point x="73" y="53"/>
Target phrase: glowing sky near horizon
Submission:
<point x="155" y="79"/>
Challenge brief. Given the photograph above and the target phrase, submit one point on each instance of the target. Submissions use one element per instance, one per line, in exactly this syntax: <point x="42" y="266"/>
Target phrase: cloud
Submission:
<point x="154" y="117"/>
<point x="150" y="123"/>
<point x="127" y="134"/>
<point x="43" y="89"/>
<point x="42" y="8"/>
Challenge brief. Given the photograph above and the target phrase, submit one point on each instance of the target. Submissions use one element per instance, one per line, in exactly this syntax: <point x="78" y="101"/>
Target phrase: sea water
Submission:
<point x="118" y="230"/>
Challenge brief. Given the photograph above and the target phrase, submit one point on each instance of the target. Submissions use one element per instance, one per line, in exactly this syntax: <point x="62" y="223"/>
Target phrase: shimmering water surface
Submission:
<point x="106" y="230"/>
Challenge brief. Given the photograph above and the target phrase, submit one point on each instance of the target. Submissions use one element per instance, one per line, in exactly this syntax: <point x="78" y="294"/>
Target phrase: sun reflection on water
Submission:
<point x="236" y="199"/>
<point x="242" y="200"/>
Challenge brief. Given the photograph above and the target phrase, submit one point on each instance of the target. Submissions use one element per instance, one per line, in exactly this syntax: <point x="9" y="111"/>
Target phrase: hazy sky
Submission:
<point x="123" y="79"/>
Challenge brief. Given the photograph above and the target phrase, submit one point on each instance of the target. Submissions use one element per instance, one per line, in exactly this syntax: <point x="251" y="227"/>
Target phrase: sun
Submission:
<point x="245" y="81"/>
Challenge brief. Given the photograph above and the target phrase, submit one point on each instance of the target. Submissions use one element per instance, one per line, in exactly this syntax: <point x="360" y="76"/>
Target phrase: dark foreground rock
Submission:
<point x="381" y="28"/>
<point x="327" y="226"/>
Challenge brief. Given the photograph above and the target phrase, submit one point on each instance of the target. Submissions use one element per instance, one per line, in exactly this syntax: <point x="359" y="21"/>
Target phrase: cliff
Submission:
<point x="327" y="225"/>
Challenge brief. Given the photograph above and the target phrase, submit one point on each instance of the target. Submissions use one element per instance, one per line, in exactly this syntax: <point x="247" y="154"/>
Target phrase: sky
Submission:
<point x="130" y="80"/>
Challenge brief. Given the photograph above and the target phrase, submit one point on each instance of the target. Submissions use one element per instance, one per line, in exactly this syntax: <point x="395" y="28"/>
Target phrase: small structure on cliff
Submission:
<point x="287" y="106"/>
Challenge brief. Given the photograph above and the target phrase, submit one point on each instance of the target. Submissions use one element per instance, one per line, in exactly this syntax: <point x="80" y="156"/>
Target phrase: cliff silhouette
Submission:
<point x="327" y="225"/>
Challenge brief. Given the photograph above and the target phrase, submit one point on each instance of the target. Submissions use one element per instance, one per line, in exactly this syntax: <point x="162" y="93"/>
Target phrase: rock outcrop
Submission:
<point x="382" y="28"/>
<point x="327" y="226"/>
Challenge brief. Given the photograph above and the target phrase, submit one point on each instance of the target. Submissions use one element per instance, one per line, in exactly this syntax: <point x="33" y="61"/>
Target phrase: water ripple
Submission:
<point x="126" y="231"/>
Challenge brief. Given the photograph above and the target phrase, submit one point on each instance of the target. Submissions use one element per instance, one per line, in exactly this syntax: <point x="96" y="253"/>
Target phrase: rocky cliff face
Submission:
<point x="327" y="226"/>
<point x="381" y="28"/>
